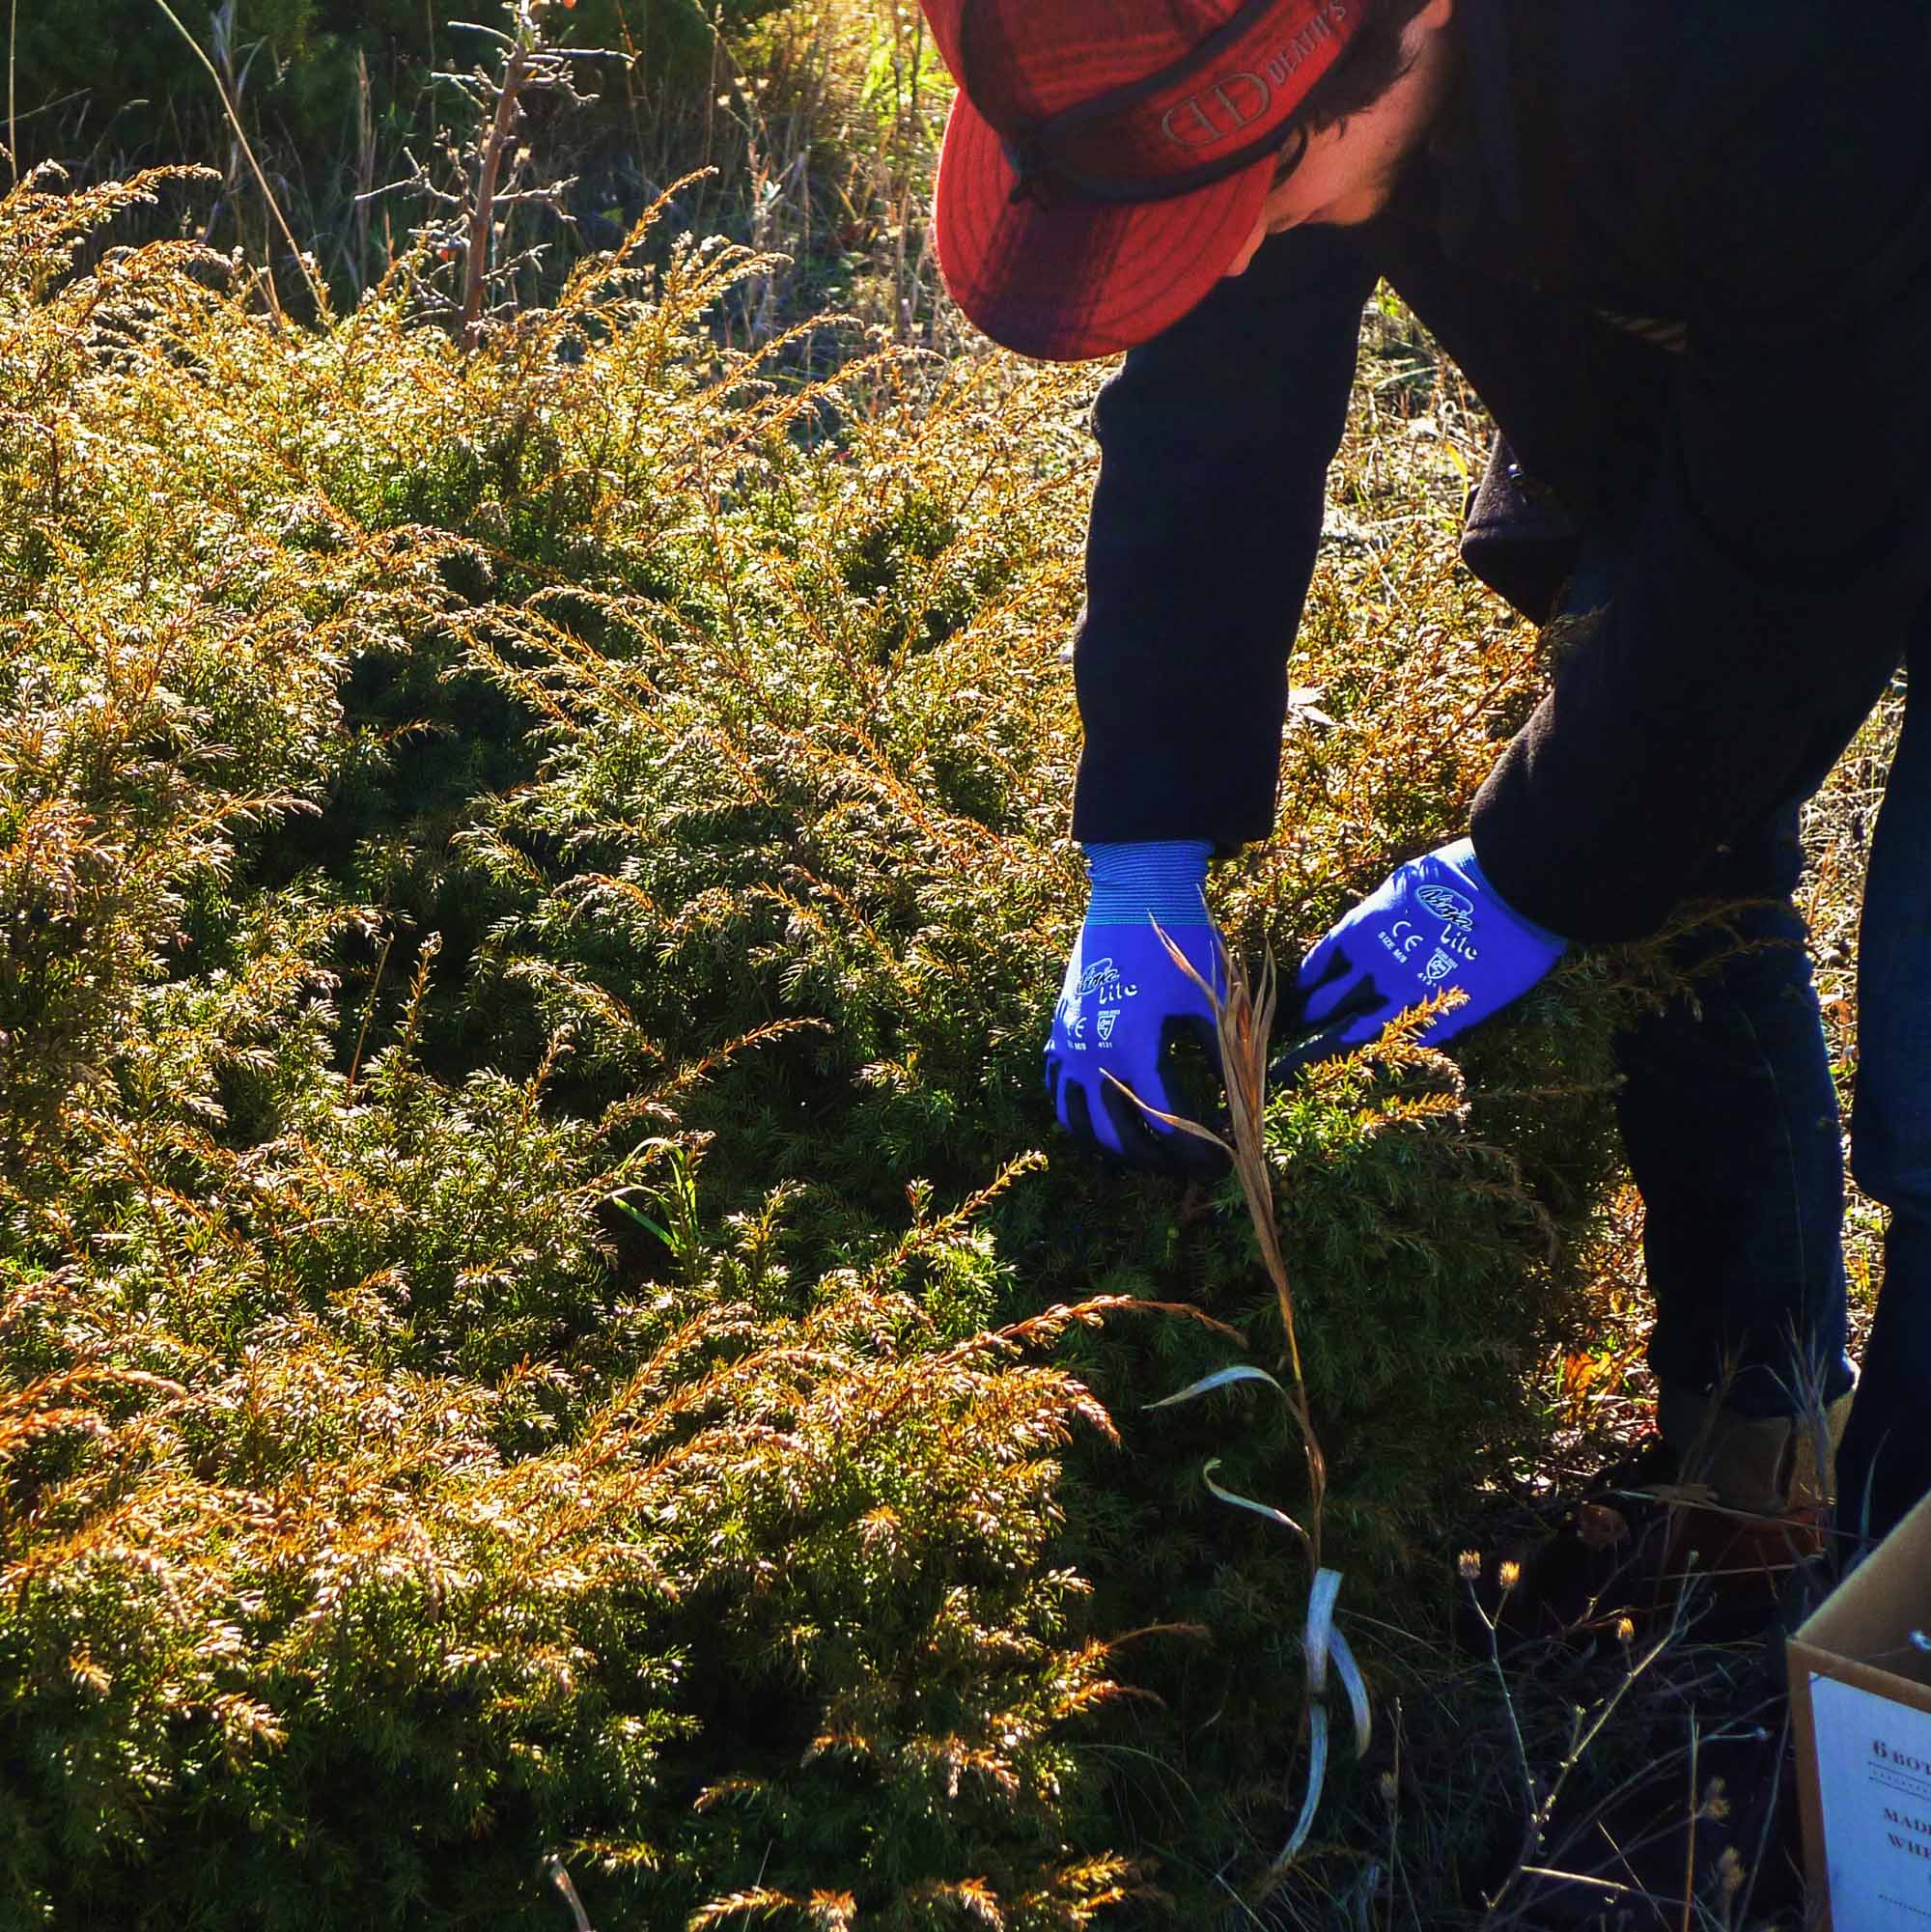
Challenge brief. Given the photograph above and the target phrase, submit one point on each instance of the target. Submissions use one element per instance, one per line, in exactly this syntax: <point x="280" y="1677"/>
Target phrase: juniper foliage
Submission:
<point x="539" y="1308"/>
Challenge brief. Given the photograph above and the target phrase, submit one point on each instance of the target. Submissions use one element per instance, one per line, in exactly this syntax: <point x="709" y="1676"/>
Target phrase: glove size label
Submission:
<point x="1454" y="944"/>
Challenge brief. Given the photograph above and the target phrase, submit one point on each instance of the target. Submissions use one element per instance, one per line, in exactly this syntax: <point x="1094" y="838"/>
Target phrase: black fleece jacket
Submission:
<point x="1748" y="182"/>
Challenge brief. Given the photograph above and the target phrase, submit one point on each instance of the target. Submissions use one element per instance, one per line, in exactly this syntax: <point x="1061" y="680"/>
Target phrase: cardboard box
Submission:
<point x="1861" y="1711"/>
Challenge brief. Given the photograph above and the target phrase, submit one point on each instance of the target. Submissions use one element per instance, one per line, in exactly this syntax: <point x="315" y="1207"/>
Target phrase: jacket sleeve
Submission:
<point x="1778" y="568"/>
<point x="1214" y="445"/>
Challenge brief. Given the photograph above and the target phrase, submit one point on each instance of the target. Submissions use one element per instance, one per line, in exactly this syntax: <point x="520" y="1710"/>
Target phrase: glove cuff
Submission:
<point x="1462" y="853"/>
<point x="1162" y="879"/>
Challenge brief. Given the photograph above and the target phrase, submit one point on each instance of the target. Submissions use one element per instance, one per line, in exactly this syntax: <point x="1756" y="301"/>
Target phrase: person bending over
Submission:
<point x="1683" y="250"/>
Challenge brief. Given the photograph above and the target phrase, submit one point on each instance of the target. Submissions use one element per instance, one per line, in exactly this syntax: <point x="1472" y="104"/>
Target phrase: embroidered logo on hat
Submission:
<point x="1106" y="159"/>
<point x="1143" y="138"/>
<point x="1243" y="99"/>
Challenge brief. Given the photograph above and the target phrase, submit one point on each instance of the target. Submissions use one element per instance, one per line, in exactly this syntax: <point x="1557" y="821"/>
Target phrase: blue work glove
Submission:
<point x="1125" y="1005"/>
<point x="1435" y="923"/>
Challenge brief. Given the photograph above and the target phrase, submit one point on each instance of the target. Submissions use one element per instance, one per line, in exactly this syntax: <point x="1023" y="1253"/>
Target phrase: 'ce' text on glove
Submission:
<point x="1435" y="924"/>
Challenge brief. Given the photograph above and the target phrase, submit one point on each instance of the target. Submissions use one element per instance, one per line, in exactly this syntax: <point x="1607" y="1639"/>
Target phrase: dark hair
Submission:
<point x="1370" y="63"/>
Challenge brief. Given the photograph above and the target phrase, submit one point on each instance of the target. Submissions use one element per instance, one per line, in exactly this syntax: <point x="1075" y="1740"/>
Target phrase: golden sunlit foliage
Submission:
<point x="531" y="884"/>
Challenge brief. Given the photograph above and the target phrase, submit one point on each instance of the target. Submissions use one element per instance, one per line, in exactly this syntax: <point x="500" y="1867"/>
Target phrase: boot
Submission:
<point x="1752" y="1494"/>
<point x="1814" y="1454"/>
<point x="1727" y="1503"/>
<point x="1758" y="1465"/>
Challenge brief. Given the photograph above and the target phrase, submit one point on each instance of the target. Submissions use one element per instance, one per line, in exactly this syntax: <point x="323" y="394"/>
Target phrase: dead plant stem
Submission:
<point x="502" y="123"/>
<point x="1689" y="1836"/>
<point x="369" y="1011"/>
<point x="316" y="293"/>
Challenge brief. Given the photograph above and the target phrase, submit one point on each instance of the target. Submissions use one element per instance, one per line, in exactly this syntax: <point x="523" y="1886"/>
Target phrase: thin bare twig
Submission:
<point x="369" y="1011"/>
<point x="516" y="69"/>
<point x="12" y="135"/>
<point x="317" y="293"/>
<point x="1689" y="1836"/>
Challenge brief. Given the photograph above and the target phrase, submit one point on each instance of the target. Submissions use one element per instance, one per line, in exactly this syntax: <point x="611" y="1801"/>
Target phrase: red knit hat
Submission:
<point x="1105" y="159"/>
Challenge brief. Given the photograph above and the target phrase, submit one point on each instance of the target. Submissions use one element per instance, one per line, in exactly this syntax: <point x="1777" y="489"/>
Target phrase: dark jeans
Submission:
<point x="1731" y="1128"/>
<point x="1886" y="1466"/>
